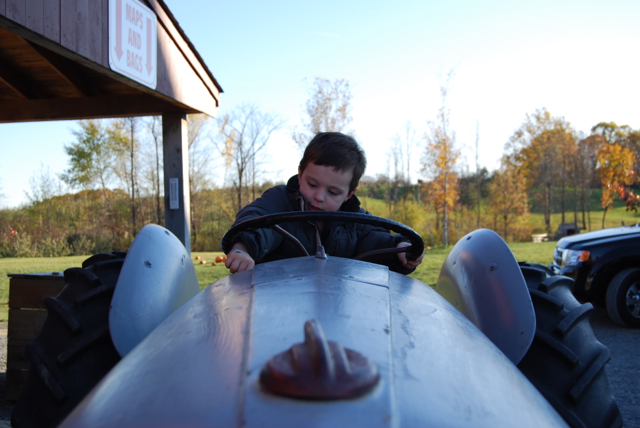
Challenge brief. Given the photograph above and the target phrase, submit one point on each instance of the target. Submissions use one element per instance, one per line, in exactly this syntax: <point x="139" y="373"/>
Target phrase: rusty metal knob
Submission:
<point x="319" y="369"/>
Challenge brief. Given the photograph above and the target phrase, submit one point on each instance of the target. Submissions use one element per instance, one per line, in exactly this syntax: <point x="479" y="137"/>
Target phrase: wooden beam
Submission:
<point x="15" y="81"/>
<point x="86" y="108"/>
<point x="177" y="215"/>
<point x="66" y="69"/>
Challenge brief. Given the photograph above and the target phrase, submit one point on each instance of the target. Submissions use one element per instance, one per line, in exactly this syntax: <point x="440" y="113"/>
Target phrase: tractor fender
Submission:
<point x="157" y="277"/>
<point x="482" y="279"/>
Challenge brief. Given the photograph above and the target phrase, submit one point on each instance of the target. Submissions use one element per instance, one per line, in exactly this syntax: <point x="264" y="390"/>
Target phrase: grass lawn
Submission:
<point x="206" y="272"/>
<point x="531" y="252"/>
<point x="30" y="265"/>
<point x="427" y="272"/>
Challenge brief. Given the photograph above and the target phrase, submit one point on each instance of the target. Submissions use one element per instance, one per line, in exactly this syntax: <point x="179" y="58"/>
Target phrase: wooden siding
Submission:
<point x="66" y="34"/>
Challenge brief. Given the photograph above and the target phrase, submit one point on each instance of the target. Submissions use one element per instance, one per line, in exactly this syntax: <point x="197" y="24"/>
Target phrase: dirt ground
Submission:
<point x="5" y="407"/>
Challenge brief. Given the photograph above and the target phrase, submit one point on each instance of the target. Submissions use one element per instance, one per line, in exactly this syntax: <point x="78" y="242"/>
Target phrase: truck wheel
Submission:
<point x="73" y="350"/>
<point x="565" y="361"/>
<point x="623" y="298"/>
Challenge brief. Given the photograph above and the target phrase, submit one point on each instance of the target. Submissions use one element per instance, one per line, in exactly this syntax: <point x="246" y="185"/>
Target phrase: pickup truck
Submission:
<point x="605" y="265"/>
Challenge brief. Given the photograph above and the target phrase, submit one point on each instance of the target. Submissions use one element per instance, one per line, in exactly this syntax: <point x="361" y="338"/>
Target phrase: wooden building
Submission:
<point x="81" y="59"/>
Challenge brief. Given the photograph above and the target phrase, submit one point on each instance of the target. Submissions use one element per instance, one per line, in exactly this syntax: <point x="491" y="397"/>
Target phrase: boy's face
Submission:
<point x="324" y="188"/>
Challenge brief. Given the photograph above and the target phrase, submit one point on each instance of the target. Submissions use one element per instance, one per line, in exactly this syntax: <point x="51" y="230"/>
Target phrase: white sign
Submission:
<point x="133" y="41"/>
<point x="174" y="202"/>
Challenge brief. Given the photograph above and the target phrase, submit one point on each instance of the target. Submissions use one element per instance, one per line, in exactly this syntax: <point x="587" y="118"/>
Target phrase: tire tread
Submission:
<point x="74" y="349"/>
<point x="565" y="361"/>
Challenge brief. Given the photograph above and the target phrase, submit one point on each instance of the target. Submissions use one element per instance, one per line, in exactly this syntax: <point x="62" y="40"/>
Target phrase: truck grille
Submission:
<point x="557" y="257"/>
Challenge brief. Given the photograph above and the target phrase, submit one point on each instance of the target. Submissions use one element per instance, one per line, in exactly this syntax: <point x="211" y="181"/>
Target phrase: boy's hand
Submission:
<point x="238" y="259"/>
<point x="403" y="257"/>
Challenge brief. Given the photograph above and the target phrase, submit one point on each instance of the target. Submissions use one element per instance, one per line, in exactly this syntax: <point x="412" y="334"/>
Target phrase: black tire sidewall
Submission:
<point x="617" y="297"/>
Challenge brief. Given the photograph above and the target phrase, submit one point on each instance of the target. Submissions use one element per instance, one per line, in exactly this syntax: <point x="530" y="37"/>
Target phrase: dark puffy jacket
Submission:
<point x="340" y="239"/>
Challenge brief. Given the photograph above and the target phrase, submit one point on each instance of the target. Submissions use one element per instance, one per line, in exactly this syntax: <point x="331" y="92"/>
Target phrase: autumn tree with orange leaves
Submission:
<point x="545" y="146"/>
<point x="616" y="170"/>
<point x="508" y="201"/>
<point x="584" y="176"/>
<point x="438" y="166"/>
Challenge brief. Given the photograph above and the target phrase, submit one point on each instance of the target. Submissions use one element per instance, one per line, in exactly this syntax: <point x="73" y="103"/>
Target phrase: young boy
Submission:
<point x="328" y="177"/>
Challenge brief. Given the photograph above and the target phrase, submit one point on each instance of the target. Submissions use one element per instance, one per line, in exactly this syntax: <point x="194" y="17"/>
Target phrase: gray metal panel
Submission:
<point x="482" y="279"/>
<point x="157" y="277"/>
<point x="352" y="313"/>
<point x="448" y="374"/>
<point x="186" y="373"/>
<point x="200" y="367"/>
<point x="332" y="266"/>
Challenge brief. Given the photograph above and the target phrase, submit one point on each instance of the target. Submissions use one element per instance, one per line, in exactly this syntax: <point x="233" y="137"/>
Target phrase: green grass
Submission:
<point x="429" y="269"/>
<point x="614" y="218"/>
<point x="538" y="252"/>
<point x="531" y="252"/>
<point x="206" y="272"/>
<point x="30" y="265"/>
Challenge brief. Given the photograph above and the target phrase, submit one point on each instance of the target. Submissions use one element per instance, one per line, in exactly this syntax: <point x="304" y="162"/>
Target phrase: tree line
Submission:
<point x="113" y="184"/>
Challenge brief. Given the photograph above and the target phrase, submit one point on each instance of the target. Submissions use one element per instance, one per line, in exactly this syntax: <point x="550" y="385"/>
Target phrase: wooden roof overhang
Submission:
<point x="54" y="65"/>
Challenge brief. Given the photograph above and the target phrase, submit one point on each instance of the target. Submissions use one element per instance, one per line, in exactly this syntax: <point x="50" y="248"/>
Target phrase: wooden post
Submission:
<point x="177" y="214"/>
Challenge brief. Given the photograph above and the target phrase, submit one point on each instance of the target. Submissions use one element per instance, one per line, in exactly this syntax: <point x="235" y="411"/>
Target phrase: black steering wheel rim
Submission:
<point x="417" y="244"/>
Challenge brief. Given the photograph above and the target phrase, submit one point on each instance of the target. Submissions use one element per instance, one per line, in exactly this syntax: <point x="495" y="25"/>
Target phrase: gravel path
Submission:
<point x="5" y="407"/>
<point x="623" y="370"/>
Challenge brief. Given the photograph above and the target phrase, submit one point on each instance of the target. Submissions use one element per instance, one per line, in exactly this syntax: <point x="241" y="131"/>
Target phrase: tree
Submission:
<point x="508" y="200"/>
<point x="584" y="176"/>
<point x="90" y="156"/>
<point x="124" y="134"/>
<point x="399" y="157"/>
<point x="200" y="166"/>
<point x="623" y="135"/>
<point x="155" y="128"/>
<point x="544" y="147"/>
<point x="44" y="187"/>
<point x="478" y="176"/>
<point x="616" y="169"/>
<point x="438" y="165"/>
<point x="612" y="132"/>
<point x="473" y="187"/>
<point x="245" y="133"/>
<point x="402" y="148"/>
<point x="328" y="109"/>
<point x="92" y="162"/>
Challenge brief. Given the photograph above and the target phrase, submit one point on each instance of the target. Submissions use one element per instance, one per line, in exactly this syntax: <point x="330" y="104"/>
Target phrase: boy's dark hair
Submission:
<point x="337" y="150"/>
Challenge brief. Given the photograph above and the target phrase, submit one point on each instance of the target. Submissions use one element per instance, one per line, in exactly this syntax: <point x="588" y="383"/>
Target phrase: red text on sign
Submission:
<point x="134" y="61"/>
<point x="134" y="16"/>
<point x="135" y="39"/>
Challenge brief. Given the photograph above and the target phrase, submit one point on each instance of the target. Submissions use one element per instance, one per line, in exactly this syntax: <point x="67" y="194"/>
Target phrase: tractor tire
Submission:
<point x="74" y="349"/>
<point x="565" y="361"/>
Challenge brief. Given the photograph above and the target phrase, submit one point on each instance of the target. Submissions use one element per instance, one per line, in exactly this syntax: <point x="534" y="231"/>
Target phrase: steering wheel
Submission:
<point x="272" y="220"/>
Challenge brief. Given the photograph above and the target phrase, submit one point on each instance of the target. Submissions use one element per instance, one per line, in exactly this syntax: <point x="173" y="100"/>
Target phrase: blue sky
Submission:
<point x="578" y="59"/>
